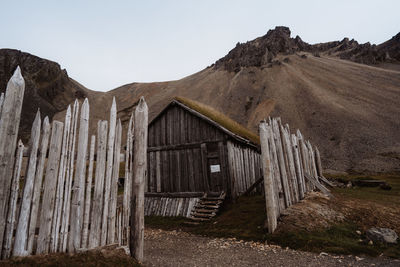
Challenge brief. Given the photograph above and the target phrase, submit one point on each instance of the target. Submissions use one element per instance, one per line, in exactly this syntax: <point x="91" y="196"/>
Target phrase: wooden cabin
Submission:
<point x="193" y="148"/>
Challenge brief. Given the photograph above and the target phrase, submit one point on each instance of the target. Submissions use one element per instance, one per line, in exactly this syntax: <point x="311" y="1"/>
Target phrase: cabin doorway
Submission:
<point x="214" y="170"/>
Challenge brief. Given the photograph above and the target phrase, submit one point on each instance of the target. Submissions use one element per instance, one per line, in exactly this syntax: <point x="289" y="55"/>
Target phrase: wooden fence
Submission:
<point x="291" y="168"/>
<point x="64" y="206"/>
<point x="171" y="204"/>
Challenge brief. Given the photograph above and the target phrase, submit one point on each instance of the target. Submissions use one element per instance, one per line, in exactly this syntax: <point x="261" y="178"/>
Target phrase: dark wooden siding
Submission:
<point x="181" y="149"/>
<point x="177" y="126"/>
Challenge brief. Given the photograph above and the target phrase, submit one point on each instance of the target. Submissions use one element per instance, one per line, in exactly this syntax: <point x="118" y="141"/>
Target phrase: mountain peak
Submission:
<point x="262" y="50"/>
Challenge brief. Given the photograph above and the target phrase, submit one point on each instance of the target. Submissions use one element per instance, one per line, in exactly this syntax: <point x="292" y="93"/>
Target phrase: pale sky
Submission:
<point x="106" y="44"/>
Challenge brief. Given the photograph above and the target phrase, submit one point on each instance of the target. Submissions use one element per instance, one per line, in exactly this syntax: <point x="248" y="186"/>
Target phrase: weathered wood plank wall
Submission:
<point x="245" y="168"/>
<point x="182" y="146"/>
<point x="168" y="206"/>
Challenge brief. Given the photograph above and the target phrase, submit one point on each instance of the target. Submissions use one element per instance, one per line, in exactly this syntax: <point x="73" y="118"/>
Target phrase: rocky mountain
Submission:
<point x="263" y="50"/>
<point x="47" y="86"/>
<point x="349" y="110"/>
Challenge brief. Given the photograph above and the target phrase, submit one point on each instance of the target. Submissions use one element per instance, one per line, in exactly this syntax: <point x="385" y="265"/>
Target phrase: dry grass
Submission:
<point x="220" y="118"/>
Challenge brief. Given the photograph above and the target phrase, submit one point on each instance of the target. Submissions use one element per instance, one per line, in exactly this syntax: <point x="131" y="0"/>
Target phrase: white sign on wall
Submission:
<point x="215" y="168"/>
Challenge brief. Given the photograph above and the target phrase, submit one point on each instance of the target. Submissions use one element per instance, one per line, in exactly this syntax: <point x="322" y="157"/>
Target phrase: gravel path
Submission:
<point x="175" y="248"/>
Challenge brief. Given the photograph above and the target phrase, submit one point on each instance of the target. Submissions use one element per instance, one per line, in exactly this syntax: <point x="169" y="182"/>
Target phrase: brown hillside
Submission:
<point x="349" y="110"/>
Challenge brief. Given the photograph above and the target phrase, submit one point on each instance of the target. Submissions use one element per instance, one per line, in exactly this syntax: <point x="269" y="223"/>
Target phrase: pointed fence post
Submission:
<point x="128" y="181"/>
<point x="86" y="215"/>
<point x="21" y="235"/>
<point x="69" y="175"/>
<point x="78" y="190"/>
<point x="268" y="181"/>
<point x="10" y="118"/>
<point x="54" y="242"/>
<point x="50" y="183"/>
<point x="97" y="210"/>
<point x="11" y="218"/>
<point x="281" y="161"/>
<point x="110" y="158"/>
<point x="140" y="168"/>
<point x="299" y="172"/>
<point x="114" y="186"/>
<point x="38" y="183"/>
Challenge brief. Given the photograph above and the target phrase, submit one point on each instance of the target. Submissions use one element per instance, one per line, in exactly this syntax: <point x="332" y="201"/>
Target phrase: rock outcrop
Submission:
<point x="262" y="51"/>
<point x="47" y="86"/>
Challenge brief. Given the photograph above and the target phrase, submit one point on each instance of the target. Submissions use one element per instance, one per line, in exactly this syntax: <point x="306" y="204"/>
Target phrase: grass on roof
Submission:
<point x="220" y="118"/>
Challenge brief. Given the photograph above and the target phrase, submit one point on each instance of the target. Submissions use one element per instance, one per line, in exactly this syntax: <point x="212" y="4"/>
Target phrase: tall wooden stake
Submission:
<point x="128" y="181"/>
<point x="38" y="183"/>
<point x="136" y="241"/>
<point x="10" y="118"/>
<point x="60" y="186"/>
<point x="114" y="185"/>
<point x="13" y="202"/>
<point x="110" y="157"/>
<point x="50" y="183"/>
<point x="21" y="235"/>
<point x="69" y="175"/>
<point x="86" y="215"/>
<point x="78" y="190"/>
<point x="268" y="182"/>
<point x="97" y="210"/>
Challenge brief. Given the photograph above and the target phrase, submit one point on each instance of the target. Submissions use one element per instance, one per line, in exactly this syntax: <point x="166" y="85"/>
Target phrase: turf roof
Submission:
<point x="220" y="118"/>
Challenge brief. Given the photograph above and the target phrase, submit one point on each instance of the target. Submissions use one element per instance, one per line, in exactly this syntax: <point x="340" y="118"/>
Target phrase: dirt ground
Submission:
<point x="176" y="248"/>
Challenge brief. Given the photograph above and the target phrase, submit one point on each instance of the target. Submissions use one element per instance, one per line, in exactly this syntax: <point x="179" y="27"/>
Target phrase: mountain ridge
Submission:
<point x="349" y="110"/>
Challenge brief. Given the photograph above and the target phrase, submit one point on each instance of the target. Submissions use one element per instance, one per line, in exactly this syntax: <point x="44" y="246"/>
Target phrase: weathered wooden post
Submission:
<point x="136" y="241"/>
<point x="268" y="181"/>
<point x="21" y="235"/>
<point x="128" y="181"/>
<point x="60" y="185"/>
<point x="10" y="118"/>
<point x="114" y="185"/>
<point x="50" y="183"/>
<point x="97" y="210"/>
<point x="281" y="161"/>
<point x="38" y="183"/>
<point x="86" y="215"/>
<point x="299" y="172"/>
<point x="109" y="168"/>
<point x="12" y="211"/>
<point x="69" y="175"/>
<point x="78" y="190"/>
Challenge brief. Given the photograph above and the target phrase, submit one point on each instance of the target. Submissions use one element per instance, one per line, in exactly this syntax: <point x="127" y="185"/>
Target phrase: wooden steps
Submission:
<point x="206" y="208"/>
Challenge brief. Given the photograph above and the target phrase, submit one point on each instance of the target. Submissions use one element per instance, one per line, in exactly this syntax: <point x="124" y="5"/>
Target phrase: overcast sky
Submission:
<point x="105" y="44"/>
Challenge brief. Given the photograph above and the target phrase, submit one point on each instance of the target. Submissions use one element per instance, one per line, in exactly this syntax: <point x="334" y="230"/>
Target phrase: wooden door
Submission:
<point x="214" y="170"/>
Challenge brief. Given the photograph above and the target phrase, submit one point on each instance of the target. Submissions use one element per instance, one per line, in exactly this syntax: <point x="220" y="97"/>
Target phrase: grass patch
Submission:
<point x="376" y="194"/>
<point x="220" y="118"/>
<point x="338" y="239"/>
